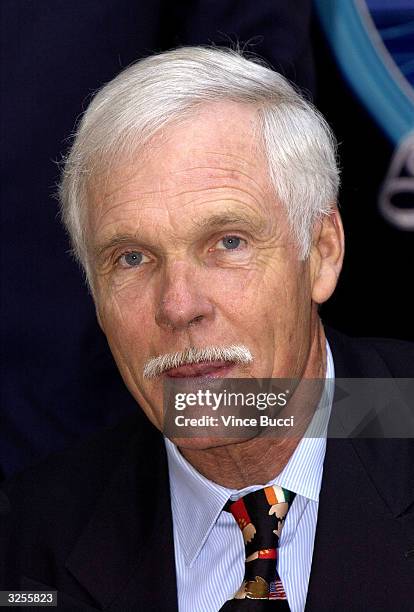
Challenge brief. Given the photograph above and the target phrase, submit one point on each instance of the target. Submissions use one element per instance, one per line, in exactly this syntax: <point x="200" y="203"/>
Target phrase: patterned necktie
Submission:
<point x="260" y="516"/>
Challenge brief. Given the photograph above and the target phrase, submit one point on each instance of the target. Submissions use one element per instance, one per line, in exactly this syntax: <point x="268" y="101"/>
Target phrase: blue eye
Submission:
<point x="231" y="242"/>
<point x="133" y="259"/>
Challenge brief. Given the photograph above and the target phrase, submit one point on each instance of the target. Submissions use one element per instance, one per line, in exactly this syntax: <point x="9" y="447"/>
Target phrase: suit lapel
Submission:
<point x="360" y="545"/>
<point x="389" y="462"/>
<point x="125" y="556"/>
<point x="365" y="528"/>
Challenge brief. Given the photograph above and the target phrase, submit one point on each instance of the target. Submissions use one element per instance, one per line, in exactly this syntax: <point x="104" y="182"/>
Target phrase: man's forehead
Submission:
<point x="213" y="140"/>
<point x="207" y="152"/>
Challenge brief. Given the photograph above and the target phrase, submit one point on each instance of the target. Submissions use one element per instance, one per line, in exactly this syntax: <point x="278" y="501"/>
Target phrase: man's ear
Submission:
<point x="327" y="256"/>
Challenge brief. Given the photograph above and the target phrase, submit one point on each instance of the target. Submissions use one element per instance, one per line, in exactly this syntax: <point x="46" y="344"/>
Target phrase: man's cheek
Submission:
<point x="124" y="287"/>
<point x="236" y="290"/>
<point x="126" y="321"/>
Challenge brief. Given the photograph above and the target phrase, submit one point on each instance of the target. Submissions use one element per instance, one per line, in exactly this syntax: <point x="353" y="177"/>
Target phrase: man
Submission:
<point x="200" y="197"/>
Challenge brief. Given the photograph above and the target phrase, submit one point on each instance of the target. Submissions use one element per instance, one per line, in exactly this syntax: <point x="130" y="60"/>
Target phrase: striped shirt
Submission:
<point x="209" y="547"/>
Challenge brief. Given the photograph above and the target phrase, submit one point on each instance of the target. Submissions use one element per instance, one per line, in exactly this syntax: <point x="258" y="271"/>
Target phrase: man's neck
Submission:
<point x="258" y="460"/>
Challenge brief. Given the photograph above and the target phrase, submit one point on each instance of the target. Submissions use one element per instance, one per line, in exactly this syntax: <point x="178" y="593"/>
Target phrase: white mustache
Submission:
<point x="236" y="353"/>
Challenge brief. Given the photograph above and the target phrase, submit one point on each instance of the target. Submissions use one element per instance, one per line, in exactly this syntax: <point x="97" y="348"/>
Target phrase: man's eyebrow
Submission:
<point x="222" y="219"/>
<point x="114" y="241"/>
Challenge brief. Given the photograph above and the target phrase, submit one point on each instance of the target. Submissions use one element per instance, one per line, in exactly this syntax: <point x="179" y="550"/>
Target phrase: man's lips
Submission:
<point x="212" y="369"/>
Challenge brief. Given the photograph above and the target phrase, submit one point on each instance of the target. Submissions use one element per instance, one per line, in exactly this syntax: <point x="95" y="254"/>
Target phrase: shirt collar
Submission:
<point x="197" y="501"/>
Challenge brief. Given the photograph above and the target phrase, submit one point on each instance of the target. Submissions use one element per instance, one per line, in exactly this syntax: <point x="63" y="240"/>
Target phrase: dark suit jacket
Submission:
<point x="95" y="522"/>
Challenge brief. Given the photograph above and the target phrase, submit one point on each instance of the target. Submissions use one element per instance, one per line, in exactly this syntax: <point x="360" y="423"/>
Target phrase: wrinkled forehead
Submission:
<point x="215" y="139"/>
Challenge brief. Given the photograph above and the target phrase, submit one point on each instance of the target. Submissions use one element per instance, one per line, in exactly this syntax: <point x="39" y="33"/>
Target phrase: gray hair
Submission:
<point x="160" y="89"/>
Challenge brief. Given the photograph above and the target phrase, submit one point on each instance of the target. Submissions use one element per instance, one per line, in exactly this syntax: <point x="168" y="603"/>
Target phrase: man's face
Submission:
<point x="190" y="248"/>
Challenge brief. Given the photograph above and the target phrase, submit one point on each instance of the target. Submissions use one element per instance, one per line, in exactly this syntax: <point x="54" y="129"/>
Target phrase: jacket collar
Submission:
<point x="389" y="462"/>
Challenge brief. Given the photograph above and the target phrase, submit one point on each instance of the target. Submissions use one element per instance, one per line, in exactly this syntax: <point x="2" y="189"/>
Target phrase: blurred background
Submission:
<point x="354" y="58"/>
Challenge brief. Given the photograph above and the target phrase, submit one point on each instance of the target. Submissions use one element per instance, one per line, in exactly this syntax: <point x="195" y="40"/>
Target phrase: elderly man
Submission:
<point x="200" y="198"/>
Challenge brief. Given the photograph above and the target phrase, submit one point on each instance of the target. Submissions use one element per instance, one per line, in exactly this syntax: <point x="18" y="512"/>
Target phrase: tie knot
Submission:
<point x="260" y="516"/>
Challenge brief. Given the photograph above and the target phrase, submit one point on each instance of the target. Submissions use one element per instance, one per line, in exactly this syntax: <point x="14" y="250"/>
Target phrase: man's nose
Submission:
<point x="183" y="300"/>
